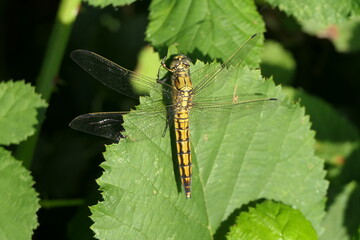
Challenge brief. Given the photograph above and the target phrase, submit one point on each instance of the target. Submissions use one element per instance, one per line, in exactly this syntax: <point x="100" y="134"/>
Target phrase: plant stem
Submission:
<point x="46" y="79"/>
<point x="62" y="203"/>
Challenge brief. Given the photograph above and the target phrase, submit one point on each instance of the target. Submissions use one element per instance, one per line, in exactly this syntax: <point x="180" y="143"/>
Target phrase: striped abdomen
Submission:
<point x="182" y="133"/>
<point x="182" y="100"/>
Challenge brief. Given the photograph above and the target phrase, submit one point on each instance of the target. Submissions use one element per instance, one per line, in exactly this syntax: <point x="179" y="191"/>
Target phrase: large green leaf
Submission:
<point x="272" y="221"/>
<point x="18" y="202"/>
<point x="269" y="154"/>
<point x="18" y="111"/>
<point x="211" y="28"/>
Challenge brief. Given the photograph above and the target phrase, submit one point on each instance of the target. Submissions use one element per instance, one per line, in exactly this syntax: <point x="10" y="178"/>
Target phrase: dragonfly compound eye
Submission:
<point x="180" y="62"/>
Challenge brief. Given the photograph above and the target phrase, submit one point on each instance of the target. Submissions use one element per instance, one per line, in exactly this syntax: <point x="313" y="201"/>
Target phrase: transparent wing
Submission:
<point x="252" y="103"/>
<point x="114" y="76"/>
<point x="214" y="109"/>
<point x="103" y="124"/>
<point x="149" y="121"/>
<point x="208" y="78"/>
<point x="153" y="117"/>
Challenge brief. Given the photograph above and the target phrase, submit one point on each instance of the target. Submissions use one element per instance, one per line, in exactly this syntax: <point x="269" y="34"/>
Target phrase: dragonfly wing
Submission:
<point x="219" y="74"/>
<point x="148" y="121"/>
<point x="214" y="109"/>
<point x="106" y="124"/>
<point x="112" y="75"/>
<point x="145" y="124"/>
<point x="236" y="99"/>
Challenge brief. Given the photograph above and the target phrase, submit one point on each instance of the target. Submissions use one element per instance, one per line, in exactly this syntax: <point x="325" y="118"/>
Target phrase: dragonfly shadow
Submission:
<point x="174" y="159"/>
<point x="198" y="54"/>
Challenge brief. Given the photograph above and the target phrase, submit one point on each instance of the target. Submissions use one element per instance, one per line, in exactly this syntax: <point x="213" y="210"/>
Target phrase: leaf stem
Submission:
<point x="61" y="203"/>
<point x="48" y="74"/>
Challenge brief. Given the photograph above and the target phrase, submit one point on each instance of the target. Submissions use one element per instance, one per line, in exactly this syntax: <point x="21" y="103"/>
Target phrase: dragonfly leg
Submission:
<point x="163" y="64"/>
<point x="163" y="80"/>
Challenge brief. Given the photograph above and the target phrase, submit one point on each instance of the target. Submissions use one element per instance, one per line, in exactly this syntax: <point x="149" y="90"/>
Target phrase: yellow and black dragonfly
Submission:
<point x="180" y="105"/>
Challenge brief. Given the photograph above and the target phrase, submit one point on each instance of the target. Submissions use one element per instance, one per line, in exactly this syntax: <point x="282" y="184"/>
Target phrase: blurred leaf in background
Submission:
<point x="278" y="63"/>
<point x="337" y="21"/>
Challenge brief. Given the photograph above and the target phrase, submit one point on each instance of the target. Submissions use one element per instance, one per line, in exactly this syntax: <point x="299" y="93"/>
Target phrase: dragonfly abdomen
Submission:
<point x="182" y="100"/>
<point x="182" y="134"/>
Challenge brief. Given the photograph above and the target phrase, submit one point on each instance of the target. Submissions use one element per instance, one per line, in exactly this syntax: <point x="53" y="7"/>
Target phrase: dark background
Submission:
<point x="66" y="162"/>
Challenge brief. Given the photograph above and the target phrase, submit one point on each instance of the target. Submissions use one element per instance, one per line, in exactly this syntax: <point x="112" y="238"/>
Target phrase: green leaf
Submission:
<point x="357" y="236"/>
<point x="148" y="65"/>
<point x="19" y="106"/>
<point x="337" y="138"/>
<point x="326" y="14"/>
<point x="347" y="35"/>
<point x="333" y="19"/>
<point x="105" y="3"/>
<point x="278" y="63"/>
<point x="268" y="154"/>
<point x="270" y="220"/>
<point x="19" y="202"/>
<point x="204" y="28"/>
<point x="335" y="216"/>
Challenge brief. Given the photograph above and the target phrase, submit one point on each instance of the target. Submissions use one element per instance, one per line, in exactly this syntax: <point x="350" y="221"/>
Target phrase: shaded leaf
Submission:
<point x="335" y="216"/>
<point x="335" y="20"/>
<point x="347" y="35"/>
<point x="278" y="63"/>
<point x="337" y="138"/>
<point x="19" y="201"/>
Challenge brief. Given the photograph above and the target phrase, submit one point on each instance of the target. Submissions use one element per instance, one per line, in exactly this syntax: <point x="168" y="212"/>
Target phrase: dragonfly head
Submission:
<point x="180" y="63"/>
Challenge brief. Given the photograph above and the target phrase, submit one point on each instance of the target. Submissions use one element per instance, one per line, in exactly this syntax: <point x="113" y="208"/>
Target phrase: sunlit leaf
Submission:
<point x="19" y="201"/>
<point x="272" y="221"/>
<point x="211" y="29"/>
<point x="18" y="111"/>
<point x="269" y="154"/>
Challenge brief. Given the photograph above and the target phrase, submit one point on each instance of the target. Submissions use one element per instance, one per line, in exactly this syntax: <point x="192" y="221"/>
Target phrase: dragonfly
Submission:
<point x="186" y="103"/>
